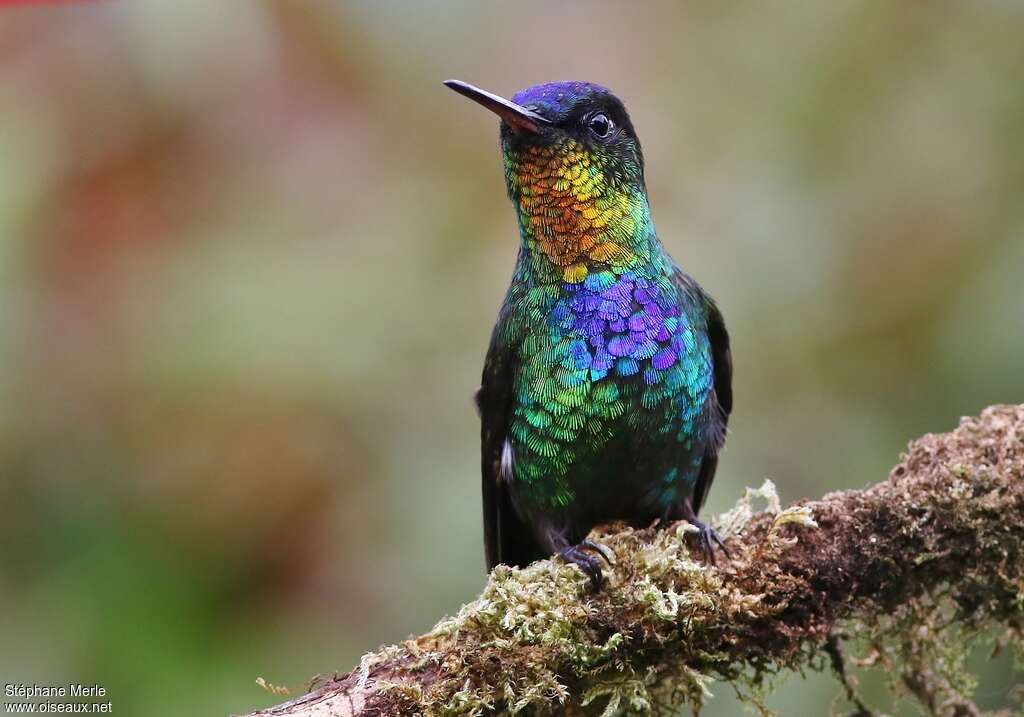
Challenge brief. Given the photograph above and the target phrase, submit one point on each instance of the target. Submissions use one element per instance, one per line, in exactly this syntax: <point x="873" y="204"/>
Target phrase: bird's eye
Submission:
<point x="600" y="125"/>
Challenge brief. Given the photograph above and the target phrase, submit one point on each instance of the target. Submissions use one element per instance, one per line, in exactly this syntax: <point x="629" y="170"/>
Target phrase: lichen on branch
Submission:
<point x="906" y="575"/>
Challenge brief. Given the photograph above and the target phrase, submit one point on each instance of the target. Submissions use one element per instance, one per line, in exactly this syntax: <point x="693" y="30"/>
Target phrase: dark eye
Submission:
<point x="600" y="125"/>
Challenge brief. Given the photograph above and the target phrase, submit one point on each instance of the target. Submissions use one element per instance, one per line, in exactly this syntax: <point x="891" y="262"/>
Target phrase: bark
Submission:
<point x="903" y="572"/>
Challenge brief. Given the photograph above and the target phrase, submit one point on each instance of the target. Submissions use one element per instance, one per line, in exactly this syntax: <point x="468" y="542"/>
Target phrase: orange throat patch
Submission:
<point x="571" y="212"/>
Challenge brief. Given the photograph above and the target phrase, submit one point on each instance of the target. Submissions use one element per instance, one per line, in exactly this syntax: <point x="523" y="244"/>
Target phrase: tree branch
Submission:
<point x="938" y="547"/>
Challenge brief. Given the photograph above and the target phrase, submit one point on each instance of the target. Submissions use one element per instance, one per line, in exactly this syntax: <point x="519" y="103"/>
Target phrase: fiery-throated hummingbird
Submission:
<point x="608" y="382"/>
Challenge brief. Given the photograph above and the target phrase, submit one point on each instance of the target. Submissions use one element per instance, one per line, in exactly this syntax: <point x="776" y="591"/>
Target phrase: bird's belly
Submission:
<point x="616" y="456"/>
<point x="636" y="477"/>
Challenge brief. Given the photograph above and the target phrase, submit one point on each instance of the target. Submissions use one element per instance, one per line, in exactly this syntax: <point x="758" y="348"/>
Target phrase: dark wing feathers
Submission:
<point x="506" y="539"/>
<point x="720" y="403"/>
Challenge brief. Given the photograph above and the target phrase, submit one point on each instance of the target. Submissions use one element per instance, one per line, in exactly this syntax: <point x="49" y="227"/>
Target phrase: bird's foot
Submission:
<point x="707" y="540"/>
<point x="586" y="561"/>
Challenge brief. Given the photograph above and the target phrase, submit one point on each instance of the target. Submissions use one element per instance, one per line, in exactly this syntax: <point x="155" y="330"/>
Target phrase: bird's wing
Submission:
<point x="720" y="401"/>
<point x="506" y="538"/>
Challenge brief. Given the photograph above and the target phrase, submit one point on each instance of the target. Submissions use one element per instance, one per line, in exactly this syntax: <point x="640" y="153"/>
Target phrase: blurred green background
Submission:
<point x="250" y="255"/>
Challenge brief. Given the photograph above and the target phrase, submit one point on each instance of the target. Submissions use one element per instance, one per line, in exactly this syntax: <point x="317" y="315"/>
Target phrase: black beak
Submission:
<point x="516" y="117"/>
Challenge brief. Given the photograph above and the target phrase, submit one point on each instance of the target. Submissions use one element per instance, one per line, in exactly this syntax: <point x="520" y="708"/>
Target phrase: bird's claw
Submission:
<point x="707" y="539"/>
<point x="599" y="549"/>
<point x="587" y="562"/>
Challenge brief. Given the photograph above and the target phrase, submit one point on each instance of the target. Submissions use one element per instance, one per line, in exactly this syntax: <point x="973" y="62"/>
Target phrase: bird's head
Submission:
<point x="574" y="168"/>
<point x="567" y="123"/>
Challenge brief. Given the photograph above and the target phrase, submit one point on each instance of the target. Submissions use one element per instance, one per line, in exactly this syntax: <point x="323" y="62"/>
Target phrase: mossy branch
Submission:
<point x="906" y="572"/>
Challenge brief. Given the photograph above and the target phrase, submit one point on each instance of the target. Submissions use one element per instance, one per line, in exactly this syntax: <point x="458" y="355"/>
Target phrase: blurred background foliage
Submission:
<point x="250" y="254"/>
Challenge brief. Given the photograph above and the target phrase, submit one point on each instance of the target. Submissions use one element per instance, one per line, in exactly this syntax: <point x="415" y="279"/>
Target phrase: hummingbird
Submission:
<point x="607" y="385"/>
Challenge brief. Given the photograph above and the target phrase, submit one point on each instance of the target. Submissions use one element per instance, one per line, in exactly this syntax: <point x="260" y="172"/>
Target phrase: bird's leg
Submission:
<point x="707" y="538"/>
